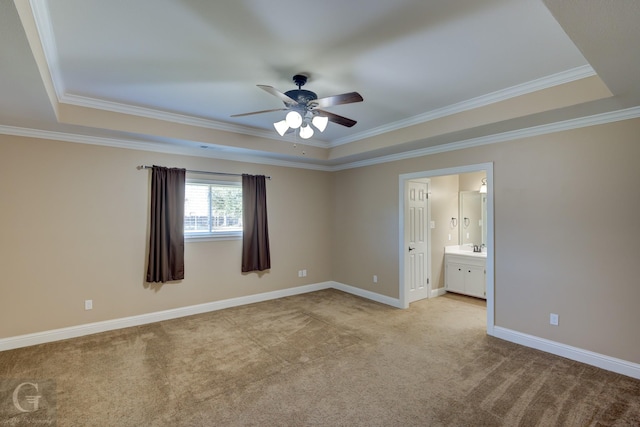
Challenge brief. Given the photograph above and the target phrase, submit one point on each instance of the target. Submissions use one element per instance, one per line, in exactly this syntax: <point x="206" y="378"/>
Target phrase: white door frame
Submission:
<point x="488" y="168"/>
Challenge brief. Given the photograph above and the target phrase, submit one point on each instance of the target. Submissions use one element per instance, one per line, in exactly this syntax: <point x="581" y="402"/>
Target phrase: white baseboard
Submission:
<point x="438" y="292"/>
<point x="595" y="359"/>
<point x="383" y="299"/>
<point x="142" y="319"/>
<point x="580" y="355"/>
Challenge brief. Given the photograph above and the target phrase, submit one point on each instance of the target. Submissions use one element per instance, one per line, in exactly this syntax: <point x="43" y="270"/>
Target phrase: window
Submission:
<point x="212" y="209"/>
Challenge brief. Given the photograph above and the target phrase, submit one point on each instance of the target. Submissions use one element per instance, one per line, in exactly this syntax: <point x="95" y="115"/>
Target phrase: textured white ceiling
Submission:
<point x="409" y="59"/>
<point x="205" y="58"/>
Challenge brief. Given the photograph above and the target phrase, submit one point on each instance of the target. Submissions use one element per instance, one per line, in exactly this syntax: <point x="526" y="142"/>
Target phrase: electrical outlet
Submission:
<point x="375" y="278"/>
<point x="304" y="273"/>
<point x="299" y="273"/>
<point x="88" y="304"/>
<point x="553" y="319"/>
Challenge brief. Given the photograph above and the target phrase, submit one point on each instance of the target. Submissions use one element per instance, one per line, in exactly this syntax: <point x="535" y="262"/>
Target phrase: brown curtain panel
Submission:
<point x="255" y="233"/>
<point x="166" y="241"/>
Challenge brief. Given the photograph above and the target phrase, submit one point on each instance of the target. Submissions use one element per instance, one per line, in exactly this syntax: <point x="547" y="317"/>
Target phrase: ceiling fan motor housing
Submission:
<point x="301" y="96"/>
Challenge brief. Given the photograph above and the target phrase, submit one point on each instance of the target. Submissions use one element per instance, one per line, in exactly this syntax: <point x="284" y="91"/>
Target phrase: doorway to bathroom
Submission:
<point x="453" y="229"/>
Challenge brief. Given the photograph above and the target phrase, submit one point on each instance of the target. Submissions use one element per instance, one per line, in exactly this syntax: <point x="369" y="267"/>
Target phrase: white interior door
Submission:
<point x="416" y="237"/>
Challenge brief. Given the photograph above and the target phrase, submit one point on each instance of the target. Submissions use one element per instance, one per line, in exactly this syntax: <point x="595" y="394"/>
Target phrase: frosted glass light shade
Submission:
<point x="483" y="186"/>
<point x="281" y="127"/>
<point x="320" y="122"/>
<point x="306" y="132"/>
<point x="294" y="119"/>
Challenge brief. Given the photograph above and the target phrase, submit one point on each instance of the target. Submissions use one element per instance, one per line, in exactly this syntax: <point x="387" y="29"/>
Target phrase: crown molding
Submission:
<point x="41" y="17"/>
<point x="211" y="152"/>
<point x="156" y="147"/>
<point x="597" y="119"/>
<point x="480" y="101"/>
<point x="128" y="109"/>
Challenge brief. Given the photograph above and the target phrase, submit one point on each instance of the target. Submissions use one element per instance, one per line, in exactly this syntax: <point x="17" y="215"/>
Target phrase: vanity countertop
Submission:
<point x="465" y="250"/>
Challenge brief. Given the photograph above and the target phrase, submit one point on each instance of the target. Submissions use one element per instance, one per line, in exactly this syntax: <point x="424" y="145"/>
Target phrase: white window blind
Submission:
<point x="212" y="209"/>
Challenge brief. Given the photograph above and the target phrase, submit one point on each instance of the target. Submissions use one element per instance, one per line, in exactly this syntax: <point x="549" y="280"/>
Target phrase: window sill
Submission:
<point x="212" y="237"/>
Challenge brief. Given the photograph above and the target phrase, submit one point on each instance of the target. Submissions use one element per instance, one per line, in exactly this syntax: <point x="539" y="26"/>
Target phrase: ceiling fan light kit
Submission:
<point x="306" y="131"/>
<point x="320" y="122"/>
<point x="294" y="119"/>
<point x="281" y="127"/>
<point x="304" y="109"/>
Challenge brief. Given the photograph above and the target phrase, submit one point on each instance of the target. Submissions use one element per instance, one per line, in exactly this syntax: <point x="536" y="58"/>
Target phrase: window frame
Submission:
<point x="212" y="235"/>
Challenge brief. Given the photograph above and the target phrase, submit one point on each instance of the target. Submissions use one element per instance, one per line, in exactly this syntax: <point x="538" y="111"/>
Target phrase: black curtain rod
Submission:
<point x="203" y="172"/>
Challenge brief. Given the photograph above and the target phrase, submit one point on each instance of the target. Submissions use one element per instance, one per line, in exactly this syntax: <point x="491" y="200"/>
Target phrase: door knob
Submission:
<point x="410" y="248"/>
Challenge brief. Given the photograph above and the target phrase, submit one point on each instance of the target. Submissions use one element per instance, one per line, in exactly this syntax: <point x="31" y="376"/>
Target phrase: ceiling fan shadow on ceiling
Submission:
<point x="305" y="109"/>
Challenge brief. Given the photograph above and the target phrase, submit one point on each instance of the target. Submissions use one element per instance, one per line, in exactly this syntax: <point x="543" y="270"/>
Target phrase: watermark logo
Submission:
<point x="32" y="400"/>
<point x="27" y="402"/>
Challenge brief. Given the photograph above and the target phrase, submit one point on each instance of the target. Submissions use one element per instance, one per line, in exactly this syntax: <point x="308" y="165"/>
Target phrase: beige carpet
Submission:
<point x="320" y="359"/>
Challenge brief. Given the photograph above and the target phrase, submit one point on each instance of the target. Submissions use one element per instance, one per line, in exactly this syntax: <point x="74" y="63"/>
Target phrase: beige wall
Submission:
<point x="565" y="232"/>
<point x="471" y="181"/>
<point x="73" y="226"/>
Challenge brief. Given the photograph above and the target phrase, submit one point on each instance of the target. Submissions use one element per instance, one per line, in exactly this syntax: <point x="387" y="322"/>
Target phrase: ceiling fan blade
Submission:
<point x="345" y="98"/>
<point x="344" y="121"/>
<point x="259" y="112"/>
<point x="275" y="92"/>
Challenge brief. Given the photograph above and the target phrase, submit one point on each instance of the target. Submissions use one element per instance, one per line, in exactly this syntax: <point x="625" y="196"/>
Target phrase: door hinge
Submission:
<point x="427" y="281"/>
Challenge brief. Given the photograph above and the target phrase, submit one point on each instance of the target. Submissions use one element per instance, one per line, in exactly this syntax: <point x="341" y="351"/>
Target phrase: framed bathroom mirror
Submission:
<point x="472" y="218"/>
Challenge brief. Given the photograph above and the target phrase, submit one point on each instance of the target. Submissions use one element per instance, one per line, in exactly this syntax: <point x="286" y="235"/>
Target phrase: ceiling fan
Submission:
<point x="305" y="108"/>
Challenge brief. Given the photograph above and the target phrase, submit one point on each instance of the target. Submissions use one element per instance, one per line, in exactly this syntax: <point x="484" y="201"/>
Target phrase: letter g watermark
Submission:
<point x="31" y="399"/>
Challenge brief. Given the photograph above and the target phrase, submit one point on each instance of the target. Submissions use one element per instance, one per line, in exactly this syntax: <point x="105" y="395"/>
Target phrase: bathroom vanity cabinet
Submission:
<point x="465" y="274"/>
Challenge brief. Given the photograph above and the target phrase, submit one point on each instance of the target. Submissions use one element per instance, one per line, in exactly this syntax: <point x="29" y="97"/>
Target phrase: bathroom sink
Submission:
<point x="464" y="250"/>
